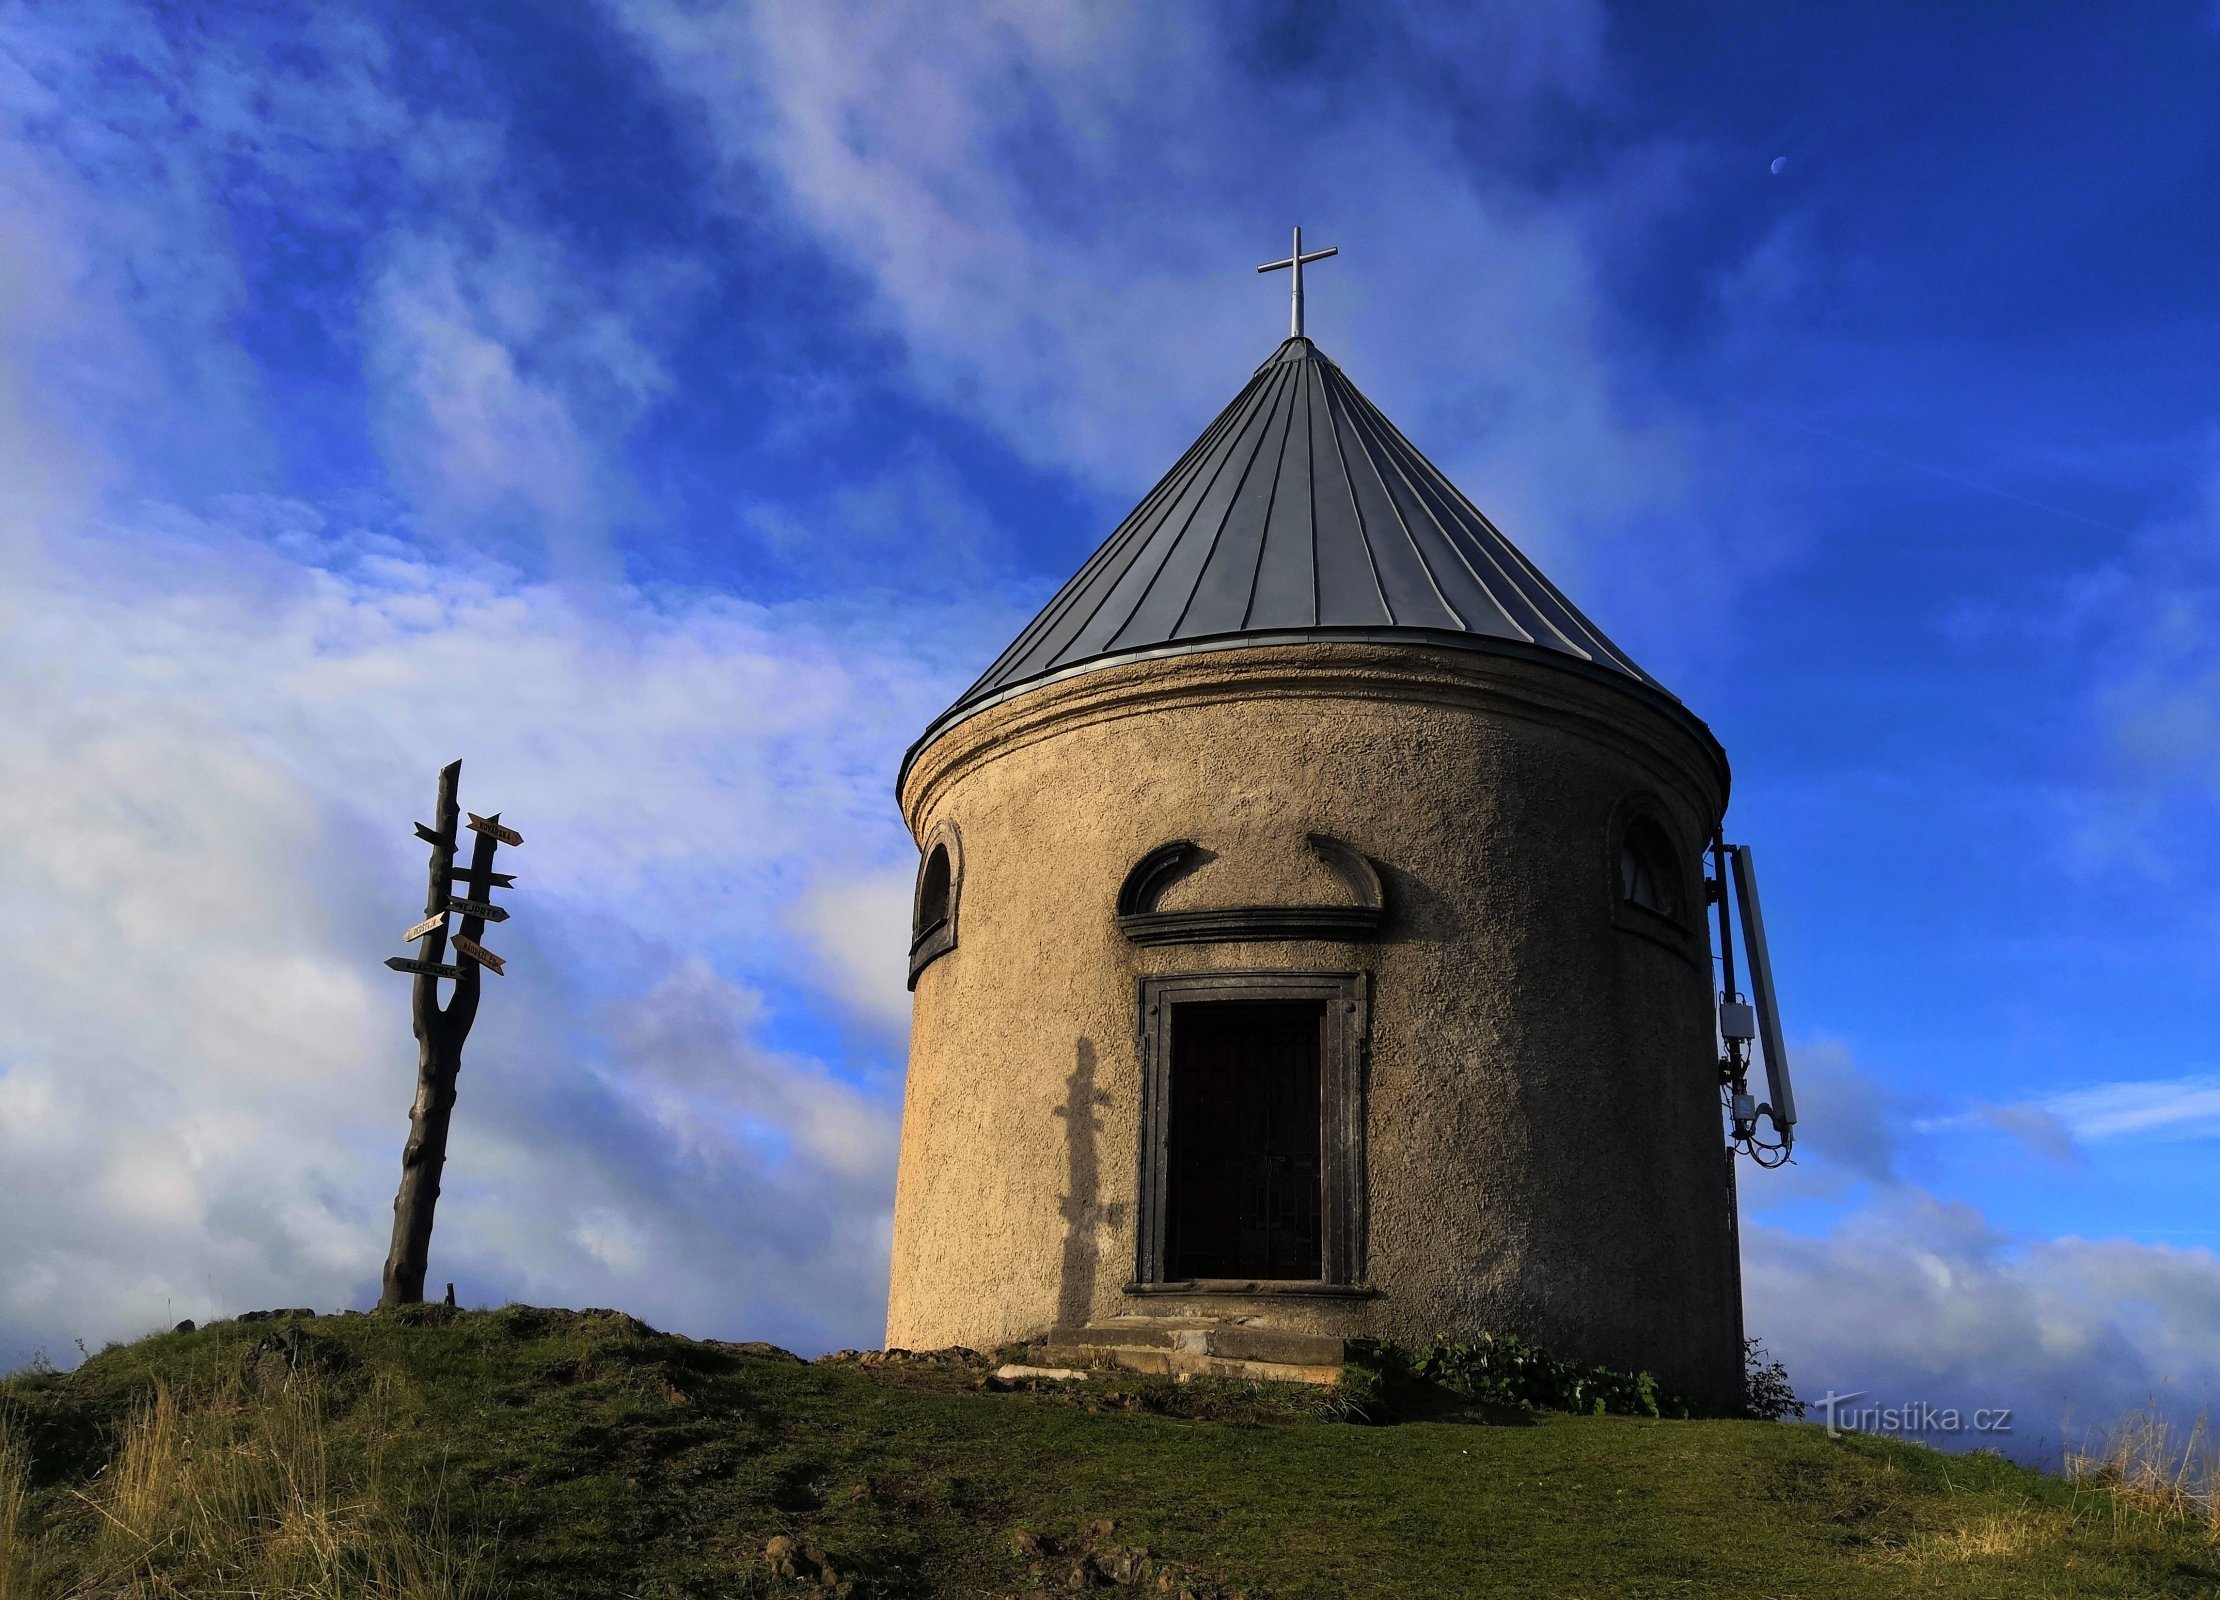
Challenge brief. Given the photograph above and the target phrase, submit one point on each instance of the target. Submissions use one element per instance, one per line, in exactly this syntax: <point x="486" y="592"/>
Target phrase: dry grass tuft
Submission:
<point x="18" y="1581"/>
<point x="2008" y="1535"/>
<point x="239" y="1492"/>
<point x="2150" y="1463"/>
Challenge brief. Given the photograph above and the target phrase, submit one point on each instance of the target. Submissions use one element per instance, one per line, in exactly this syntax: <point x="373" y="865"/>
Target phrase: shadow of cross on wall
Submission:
<point x="1081" y="1208"/>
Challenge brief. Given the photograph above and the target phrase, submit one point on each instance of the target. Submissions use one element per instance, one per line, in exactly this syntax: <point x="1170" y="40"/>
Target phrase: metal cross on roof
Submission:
<point x="1295" y="260"/>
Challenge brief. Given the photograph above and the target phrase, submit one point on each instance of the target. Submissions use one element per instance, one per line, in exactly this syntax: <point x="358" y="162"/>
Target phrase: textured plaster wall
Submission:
<point x="1543" y="1138"/>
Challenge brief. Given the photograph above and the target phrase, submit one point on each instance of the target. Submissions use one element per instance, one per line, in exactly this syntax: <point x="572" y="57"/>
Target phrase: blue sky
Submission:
<point x="668" y="408"/>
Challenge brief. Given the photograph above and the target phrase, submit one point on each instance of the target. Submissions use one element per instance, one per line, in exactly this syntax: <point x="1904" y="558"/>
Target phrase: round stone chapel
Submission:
<point x="1310" y="944"/>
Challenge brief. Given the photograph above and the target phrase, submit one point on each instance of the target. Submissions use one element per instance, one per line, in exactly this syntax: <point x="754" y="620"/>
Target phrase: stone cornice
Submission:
<point x="1666" y="738"/>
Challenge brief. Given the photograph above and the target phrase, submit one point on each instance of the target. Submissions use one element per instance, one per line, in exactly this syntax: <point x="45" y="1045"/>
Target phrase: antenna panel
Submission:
<point x="1780" y="1095"/>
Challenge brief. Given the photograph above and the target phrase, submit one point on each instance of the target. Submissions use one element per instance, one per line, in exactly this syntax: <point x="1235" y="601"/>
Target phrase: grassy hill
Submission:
<point x="524" y="1452"/>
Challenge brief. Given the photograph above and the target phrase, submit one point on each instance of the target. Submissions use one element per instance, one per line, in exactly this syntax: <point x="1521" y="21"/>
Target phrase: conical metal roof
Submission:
<point x="1301" y="514"/>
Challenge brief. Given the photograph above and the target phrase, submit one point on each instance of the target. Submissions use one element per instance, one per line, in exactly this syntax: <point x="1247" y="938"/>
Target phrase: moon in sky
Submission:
<point x="1780" y="165"/>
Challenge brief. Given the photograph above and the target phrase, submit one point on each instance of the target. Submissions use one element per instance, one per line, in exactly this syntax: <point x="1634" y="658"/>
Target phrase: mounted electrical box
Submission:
<point x="1752" y="1022"/>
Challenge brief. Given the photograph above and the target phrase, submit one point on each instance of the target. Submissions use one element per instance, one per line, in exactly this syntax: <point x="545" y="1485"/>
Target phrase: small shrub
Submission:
<point x="1506" y="1370"/>
<point x="1766" y="1394"/>
<point x="1368" y="1378"/>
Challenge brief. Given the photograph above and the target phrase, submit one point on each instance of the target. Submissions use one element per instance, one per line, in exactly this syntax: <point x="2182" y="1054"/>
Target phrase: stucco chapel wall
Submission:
<point x="1543" y="1145"/>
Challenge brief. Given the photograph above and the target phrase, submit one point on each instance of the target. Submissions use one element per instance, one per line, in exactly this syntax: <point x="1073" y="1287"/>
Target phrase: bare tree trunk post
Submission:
<point x="440" y="1032"/>
<point x="439" y="1037"/>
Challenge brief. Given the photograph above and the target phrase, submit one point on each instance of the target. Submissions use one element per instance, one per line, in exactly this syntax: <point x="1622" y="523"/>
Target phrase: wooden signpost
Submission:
<point x="441" y="1030"/>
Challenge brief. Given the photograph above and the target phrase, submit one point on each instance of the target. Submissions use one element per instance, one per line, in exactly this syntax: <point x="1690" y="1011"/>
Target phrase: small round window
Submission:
<point x="1649" y="868"/>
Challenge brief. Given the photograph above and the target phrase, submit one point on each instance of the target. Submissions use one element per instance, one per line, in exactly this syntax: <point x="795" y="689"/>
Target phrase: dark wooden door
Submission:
<point x="1243" y="1145"/>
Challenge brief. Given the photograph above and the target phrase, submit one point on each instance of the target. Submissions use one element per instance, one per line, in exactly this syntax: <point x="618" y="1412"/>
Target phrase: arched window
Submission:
<point x="932" y="893"/>
<point x="1650" y="877"/>
<point x="1649" y="868"/>
<point x="933" y="913"/>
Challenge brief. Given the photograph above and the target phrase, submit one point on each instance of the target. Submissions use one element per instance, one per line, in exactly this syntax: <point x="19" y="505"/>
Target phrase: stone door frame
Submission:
<point x="1346" y="1040"/>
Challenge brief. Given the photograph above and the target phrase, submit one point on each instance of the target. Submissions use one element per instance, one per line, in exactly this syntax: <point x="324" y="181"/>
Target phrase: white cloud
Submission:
<point x="1846" y="1120"/>
<point x="890" y="132"/>
<point x="2148" y="616"/>
<point x="206" y="785"/>
<point x="509" y="382"/>
<point x="1912" y="1296"/>
<point x="224" y="713"/>
<point x="2038" y="1128"/>
<point x="909" y="522"/>
<point x="1056" y="208"/>
<point x="488" y="431"/>
<point x="2186" y="1107"/>
<point x="861" y="928"/>
<point x="127" y="139"/>
<point x="687" y="1045"/>
<point x="1917" y="1298"/>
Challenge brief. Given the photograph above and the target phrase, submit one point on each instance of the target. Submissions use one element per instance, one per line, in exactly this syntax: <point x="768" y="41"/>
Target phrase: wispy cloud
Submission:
<point x="1920" y="1298"/>
<point x="908" y="521"/>
<point x="1882" y="1285"/>
<point x="2187" y="1107"/>
<point x="2149" y="614"/>
<point x="226" y="705"/>
<point x="1054" y="209"/>
<point x="2176" y="1108"/>
<point x="214" y="755"/>
<point x="861" y="927"/>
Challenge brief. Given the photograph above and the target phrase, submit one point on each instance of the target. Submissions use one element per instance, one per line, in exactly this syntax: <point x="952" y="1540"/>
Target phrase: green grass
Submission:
<point x="534" y="1453"/>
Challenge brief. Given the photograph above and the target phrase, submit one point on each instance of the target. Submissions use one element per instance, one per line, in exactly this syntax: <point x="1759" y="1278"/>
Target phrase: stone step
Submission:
<point x="1177" y="1347"/>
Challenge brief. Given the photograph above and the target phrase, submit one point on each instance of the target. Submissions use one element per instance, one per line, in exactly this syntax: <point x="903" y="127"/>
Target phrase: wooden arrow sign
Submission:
<point x="428" y="836"/>
<point x="494" y="880"/>
<point x="437" y="920"/>
<point x="476" y="908"/>
<point x="478" y="952"/>
<point x="428" y="969"/>
<point x="490" y="825"/>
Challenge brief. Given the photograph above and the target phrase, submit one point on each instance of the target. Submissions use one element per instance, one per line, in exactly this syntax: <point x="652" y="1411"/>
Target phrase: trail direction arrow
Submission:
<point x="428" y="969"/>
<point x="478" y="952"/>
<point x="480" y="824"/>
<point x="437" y="920"/>
<point x="494" y="880"/>
<point x="476" y="908"/>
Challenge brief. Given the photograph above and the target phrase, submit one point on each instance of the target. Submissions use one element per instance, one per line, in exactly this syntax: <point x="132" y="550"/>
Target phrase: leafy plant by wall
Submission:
<point x="1765" y="1389"/>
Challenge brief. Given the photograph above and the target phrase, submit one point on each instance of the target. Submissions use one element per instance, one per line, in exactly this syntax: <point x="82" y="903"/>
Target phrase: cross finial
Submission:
<point x="1295" y="260"/>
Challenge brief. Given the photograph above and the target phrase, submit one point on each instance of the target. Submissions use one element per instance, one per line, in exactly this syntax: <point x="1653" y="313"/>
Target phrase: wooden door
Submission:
<point x="1243" y="1148"/>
